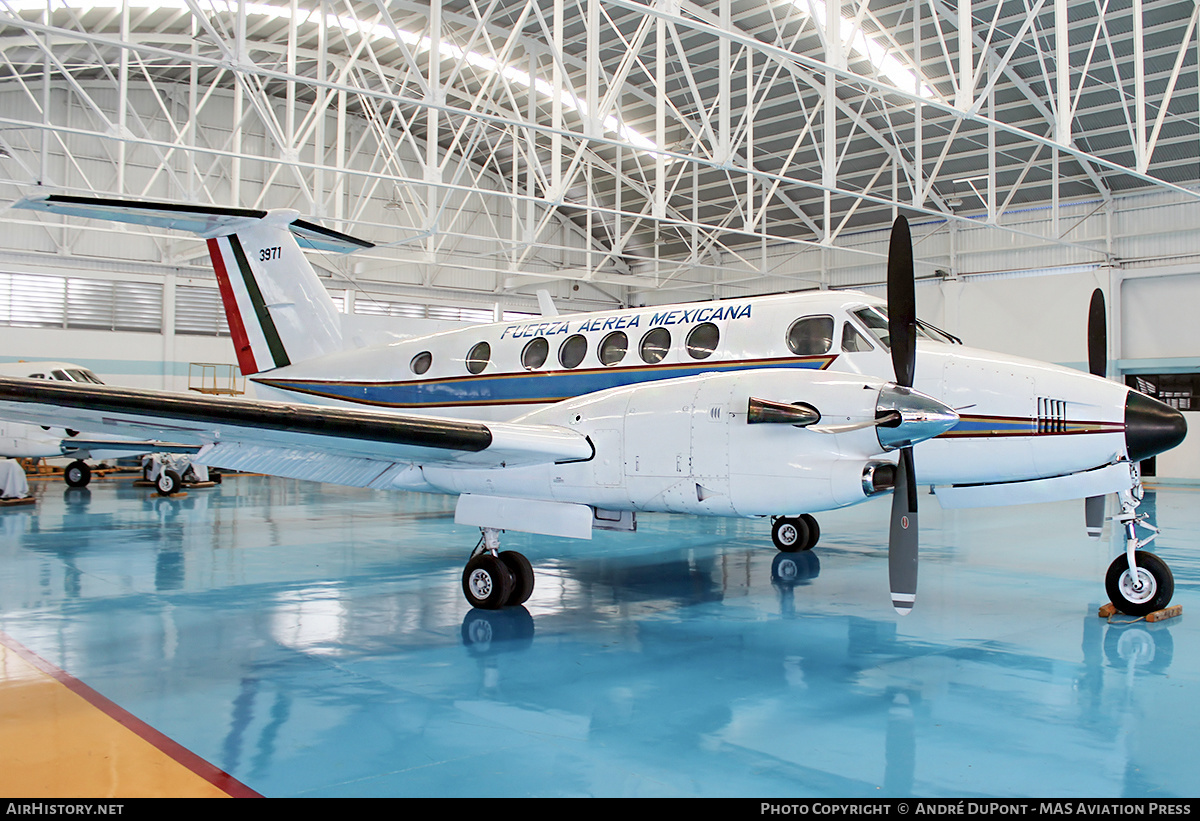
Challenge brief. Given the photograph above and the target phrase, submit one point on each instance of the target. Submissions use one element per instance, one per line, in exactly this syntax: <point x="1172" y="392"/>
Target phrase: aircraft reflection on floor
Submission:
<point x="281" y="631"/>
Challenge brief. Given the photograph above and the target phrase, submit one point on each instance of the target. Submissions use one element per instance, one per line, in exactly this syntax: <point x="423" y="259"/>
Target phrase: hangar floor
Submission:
<point x="308" y="640"/>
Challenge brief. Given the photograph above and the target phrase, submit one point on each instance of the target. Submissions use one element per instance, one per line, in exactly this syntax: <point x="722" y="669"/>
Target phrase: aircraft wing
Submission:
<point x="363" y="448"/>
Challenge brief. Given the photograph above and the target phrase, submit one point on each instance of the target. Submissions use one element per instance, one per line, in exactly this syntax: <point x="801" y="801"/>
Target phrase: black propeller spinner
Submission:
<point x="902" y="332"/>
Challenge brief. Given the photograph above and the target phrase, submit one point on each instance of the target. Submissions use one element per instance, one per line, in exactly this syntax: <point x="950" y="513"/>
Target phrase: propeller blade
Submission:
<point x="1093" y="514"/>
<point x="902" y="303"/>
<point x="903" y="536"/>
<point x="1097" y="347"/>
<point x="1097" y="340"/>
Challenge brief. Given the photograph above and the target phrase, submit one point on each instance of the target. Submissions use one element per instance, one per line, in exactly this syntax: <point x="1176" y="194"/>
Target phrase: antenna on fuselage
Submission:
<point x="545" y="303"/>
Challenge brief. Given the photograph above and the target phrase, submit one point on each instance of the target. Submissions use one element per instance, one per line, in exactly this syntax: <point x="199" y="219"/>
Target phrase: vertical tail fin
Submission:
<point x="277" y="308"/>
<point x="279" y="313"/>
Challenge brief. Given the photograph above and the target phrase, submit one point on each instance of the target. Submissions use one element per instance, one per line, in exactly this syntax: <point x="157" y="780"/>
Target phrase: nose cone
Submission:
<point x="1151" y="426"/>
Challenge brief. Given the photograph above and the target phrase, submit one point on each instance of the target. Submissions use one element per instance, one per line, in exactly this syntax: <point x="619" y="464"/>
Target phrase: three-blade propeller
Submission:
<point x="902" y="333"/>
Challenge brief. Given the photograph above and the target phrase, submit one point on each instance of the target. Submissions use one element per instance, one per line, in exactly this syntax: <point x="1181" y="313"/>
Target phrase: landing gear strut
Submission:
<point x="1138" y="582"/>
<point x="493" y="578"/>
<point x="795" y="533"/>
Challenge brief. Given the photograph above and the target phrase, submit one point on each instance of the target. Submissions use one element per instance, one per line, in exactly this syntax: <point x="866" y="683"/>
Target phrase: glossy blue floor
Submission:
<point x="313" y="641"/>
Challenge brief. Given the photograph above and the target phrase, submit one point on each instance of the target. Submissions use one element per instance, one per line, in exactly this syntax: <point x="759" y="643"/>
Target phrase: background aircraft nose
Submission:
<point x="1151" y="426"/>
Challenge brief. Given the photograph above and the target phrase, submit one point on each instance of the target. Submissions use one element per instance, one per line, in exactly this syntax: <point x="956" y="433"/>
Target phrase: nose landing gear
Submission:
<point x="1138" y="582"/>
<point x="493" y="578"/>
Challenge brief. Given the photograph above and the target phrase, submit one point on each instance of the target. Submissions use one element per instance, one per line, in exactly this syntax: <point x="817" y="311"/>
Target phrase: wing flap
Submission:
<point x="353" y="471"/>
<point x="315" y="430"/>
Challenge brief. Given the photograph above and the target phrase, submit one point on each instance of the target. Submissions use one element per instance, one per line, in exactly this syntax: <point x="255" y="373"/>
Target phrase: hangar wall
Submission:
<point x="1024" y="293"/>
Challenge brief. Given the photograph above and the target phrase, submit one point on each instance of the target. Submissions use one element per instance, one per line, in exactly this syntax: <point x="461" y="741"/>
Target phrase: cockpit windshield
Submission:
<point x="75" y="375"/>
<point x="875" y="318"/>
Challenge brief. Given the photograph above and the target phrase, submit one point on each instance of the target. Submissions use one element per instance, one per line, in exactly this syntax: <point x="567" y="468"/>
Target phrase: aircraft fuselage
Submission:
<point x="662" y="395"/>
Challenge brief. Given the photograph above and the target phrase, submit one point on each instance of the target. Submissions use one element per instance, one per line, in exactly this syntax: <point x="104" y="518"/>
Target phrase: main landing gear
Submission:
<point x="493" y="578"/>
<point x="77" y="474"/>
<point x="792" y="534"/>
<point x="1138" y="582"/>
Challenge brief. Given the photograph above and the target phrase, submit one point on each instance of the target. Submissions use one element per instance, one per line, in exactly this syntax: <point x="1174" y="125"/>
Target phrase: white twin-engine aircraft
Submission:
<point x="774" y="406"/>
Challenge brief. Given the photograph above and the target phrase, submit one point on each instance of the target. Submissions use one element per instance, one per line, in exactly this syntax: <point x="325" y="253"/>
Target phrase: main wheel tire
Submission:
<point x="522" y="572"/>
<point x="77" y="474"/>
<point x="814" y="531"/>
<point x="168" y="483"/>
<point x="1152" y="590"/>
<point x="790" y="535"/>
<point x="487" y="582"/>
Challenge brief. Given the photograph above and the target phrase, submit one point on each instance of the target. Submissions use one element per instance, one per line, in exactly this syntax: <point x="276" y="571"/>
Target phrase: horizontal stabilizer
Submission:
<point x="204" y="220"/>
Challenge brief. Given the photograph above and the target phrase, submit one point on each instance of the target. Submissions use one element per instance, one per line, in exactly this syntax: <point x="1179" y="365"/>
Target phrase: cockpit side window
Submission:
<point x="83" y="375"/>
<point x="852" y="340"/>
<point x="810" y="335"/>
<point x="876" y="320"/>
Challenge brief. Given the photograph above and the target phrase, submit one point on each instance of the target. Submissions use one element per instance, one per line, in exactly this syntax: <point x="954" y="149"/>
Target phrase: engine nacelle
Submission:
<point x="690" y="446"/>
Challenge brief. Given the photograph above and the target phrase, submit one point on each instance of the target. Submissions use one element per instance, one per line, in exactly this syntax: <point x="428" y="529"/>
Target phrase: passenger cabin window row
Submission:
<point x="653" y="347"/>
<point x="806" y="336"/>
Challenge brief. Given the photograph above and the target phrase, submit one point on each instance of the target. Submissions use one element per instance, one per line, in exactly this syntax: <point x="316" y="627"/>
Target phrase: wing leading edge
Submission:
<point x="312" y="442"/>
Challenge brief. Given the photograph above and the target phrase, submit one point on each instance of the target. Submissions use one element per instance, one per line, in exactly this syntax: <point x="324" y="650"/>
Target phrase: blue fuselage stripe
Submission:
<point x="515" y="388"/>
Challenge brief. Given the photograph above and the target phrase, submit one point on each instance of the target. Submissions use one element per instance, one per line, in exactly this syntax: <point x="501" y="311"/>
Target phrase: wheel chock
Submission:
<point x="1166" y="613"/>
<point x="1109" y="610"/>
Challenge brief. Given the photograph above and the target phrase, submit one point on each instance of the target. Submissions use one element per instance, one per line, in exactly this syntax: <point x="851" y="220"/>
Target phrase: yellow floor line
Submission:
<point x="61" y="739"/>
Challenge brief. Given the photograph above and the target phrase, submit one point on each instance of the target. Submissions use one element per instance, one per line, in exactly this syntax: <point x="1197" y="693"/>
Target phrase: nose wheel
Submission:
<point x="494" y="578"/>
<point x="1138" y="582"/>
<point x="1144" y="590"/>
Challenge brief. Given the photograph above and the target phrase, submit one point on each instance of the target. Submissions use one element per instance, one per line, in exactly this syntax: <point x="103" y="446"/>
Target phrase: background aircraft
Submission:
<point x="27" y="441"/>
<point x="774" y="406"/>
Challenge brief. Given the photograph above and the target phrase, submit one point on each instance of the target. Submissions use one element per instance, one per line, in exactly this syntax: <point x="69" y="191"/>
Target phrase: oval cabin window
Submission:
<point x="572" y="351"/>
<point x="655" y="345"/>
<point x="810" y="336"/>
<point x="702" y="340"/>
<point x="479" y="357"/>
<point x="613" y="347"/>
<point x="421" y="362"/>
<point x="534" y="354"/>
